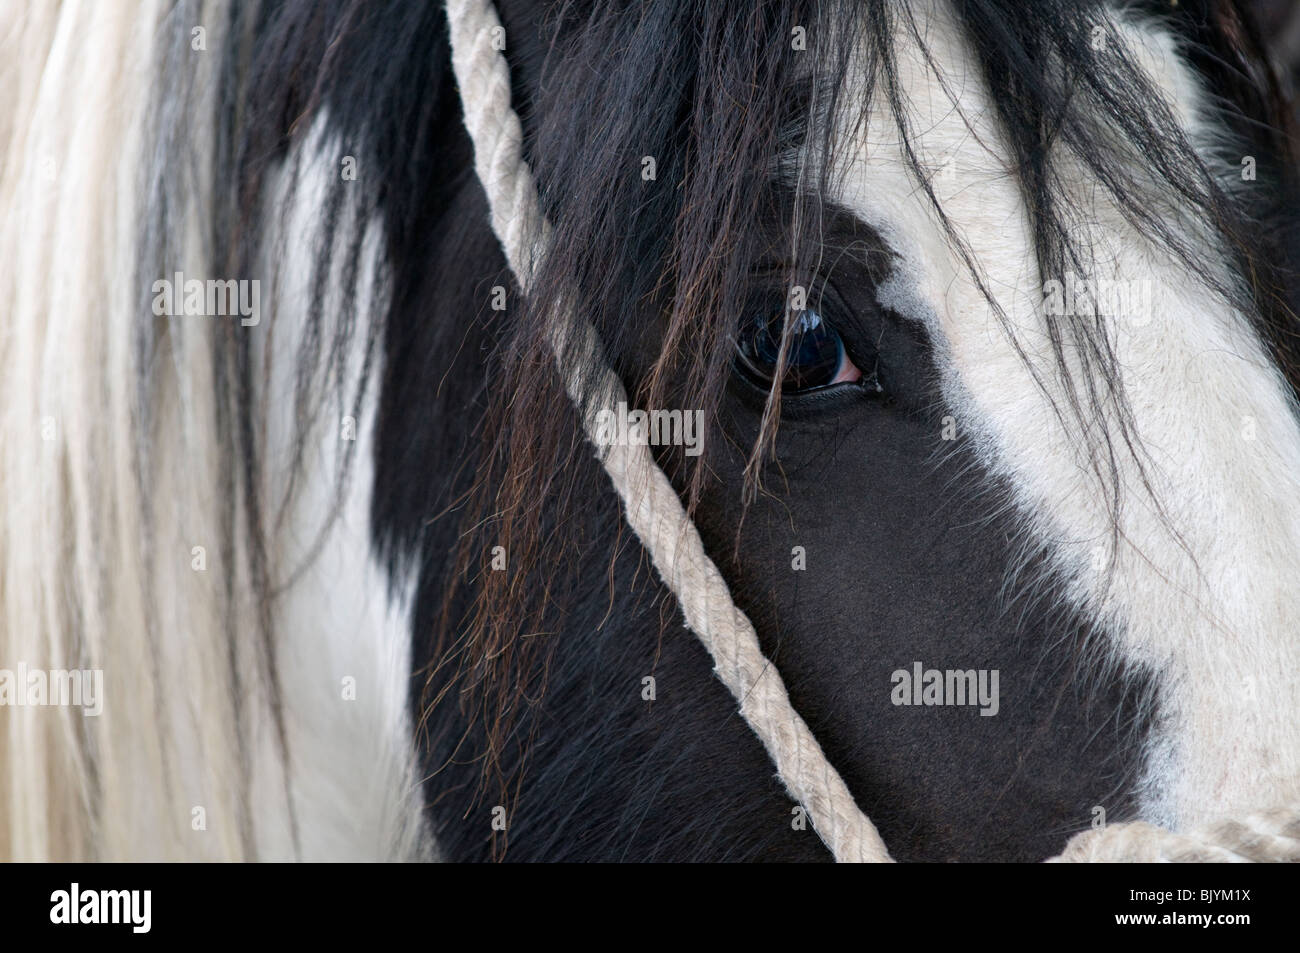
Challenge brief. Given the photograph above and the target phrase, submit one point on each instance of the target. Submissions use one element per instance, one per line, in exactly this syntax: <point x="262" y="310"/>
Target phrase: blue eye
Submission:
<point x="816" y="357"/>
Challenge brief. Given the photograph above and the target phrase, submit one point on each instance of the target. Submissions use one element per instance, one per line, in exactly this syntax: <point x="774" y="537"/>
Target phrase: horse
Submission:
<point x="705" y="430"/>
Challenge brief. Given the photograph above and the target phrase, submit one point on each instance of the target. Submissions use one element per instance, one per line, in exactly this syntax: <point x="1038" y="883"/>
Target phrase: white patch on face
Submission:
<point x="1214" y="618"/>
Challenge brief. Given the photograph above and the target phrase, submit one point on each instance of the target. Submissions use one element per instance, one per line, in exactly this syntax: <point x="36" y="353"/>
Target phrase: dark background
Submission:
<point x="1279" y="24"/>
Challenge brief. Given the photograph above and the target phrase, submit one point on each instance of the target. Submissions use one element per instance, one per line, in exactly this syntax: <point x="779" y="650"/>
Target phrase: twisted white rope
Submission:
<point x="653" y="508"/>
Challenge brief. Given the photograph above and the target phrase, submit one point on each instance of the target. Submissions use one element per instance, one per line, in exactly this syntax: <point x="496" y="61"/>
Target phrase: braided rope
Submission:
<point x="653" y="508"/>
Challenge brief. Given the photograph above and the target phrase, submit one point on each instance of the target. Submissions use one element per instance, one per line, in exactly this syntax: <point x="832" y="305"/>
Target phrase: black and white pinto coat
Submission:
<point x="270" y="687"/>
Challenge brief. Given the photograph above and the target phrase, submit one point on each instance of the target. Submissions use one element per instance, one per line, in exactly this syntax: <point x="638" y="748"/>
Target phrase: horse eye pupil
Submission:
<point x="815" y="355"/>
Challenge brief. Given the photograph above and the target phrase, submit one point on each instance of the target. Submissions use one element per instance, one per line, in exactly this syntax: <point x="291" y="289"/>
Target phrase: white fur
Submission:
<point x="73" y="571"/>
<point x="1222" y="640"/>
<point x="353" y="772"/>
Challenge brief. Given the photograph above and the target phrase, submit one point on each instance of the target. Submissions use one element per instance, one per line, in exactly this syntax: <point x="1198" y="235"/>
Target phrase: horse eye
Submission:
<point x="816" y="358"/>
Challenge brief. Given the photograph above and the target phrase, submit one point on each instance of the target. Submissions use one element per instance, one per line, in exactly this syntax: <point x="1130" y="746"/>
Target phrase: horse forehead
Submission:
<point x="955" y="136"/>
<point x="988" y="324"/>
